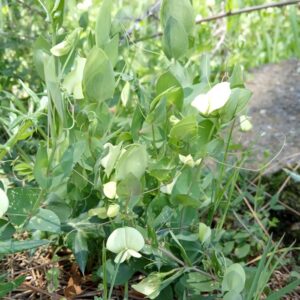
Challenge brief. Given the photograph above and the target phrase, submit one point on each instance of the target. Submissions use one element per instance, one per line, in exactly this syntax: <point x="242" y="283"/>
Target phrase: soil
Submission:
<point x="275" y="114"/>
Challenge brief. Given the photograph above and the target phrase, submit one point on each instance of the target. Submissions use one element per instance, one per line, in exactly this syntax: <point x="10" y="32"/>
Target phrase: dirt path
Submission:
<point x="275" y="113"/>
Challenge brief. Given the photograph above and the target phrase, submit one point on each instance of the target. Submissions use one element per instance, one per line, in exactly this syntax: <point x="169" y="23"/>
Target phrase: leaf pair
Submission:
<point x="177" y="19"/>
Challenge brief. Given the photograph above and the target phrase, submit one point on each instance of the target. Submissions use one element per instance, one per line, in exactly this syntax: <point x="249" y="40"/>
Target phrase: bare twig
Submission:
<point x="230" y="14"/>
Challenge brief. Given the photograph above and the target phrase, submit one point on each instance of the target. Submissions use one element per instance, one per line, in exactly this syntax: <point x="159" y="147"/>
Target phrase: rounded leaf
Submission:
<point x="234" y="278"/>
<point x="182" y="10"/>
<point x="233" y="296"/>
<point x="133" y="161"/>
<point x="204" y="232"/>
<point x="175" y="39"/>
<point x="98" y="76"/>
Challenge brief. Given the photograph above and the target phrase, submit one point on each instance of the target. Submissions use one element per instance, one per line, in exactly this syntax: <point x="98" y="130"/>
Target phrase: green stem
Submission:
<point x="114" y="278"/>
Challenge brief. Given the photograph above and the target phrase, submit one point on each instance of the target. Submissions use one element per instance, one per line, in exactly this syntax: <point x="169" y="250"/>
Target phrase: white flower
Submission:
<point x="245" y="123"/>
<point x="125" y="242"/>
<point x="61" y="49"/>
<point x="214" y="99"/>
<point x="113" y="210"/>
<point x="189" y="161"/>
<point x="110" y="189"/>
<point x="167" y="188"/>
<point x="3" y="203"/>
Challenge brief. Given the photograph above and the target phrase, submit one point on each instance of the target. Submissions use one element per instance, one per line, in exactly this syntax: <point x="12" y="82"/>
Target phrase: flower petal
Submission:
<point x="201" y="103"/>
<point x="113" y="210"/>
<point x="134" y="239"/>
<point x="116" y="242"/>
<point x="110" y="189"/>
<point x="218" y="96"/>
<point x="134" y="253"/>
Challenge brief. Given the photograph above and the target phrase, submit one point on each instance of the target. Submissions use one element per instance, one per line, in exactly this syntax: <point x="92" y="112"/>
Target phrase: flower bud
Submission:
<point x="113" y="210"/>
<point x="110" y="190"/>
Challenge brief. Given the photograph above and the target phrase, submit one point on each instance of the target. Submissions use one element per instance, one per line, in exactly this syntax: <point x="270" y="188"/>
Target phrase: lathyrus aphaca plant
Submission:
<point x="123" y="178"/>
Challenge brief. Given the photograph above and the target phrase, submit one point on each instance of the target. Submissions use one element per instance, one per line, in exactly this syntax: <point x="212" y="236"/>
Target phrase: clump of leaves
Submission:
<point x="124" y="162"/>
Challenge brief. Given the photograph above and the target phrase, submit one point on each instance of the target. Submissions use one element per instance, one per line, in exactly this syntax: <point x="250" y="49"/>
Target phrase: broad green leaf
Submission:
<point x="133" y="161"/>
<point x="6" y="230"/>
<point x="175" y="39"/>
<point x="238" y="100"/>
<point x="53" y="86"/>
<point x="80" y="249"/>
<point x="45" y="220"/>
<point x="111" y="49"/>
<point x="130" y="190"/>
<point x="150" y="286"/>
<point x="204" y="233"/>
<point x="124" y="272"/>
<point x="69" y="159"/>
<point x="41" y="49"/>
<point x="61" y="209"/>
<point x="199" y="283"/>
<point x="180" y="10"/>
<point x="237" y="77"/>
<point x="242" y="251"/>
<point x="166" y="81"/>
<point x="56" y="9"/>
<point x="232" y="295"/>
<point x="9" y="247"/>
<point x="185" y="200"/>
<point x="21" y="203"/>
<point x="6" y="287"/>
<point x="103" y="23"/>
<point x="185" y="129"/>
<point x="98" y="76"/>
<point x="234" y="278"/>
<point x="40" y="170"/>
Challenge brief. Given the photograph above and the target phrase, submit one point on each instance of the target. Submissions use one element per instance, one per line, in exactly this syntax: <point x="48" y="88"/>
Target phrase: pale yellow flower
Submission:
<point x="214" y="99"/>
